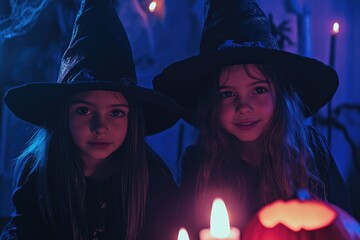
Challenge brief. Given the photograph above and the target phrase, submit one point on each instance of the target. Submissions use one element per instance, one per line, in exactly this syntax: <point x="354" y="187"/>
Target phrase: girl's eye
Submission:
<point x="83" y="111"/>
<point x="226" y="94"/>
<point x="260" y="90"/>
<point x="117" y="113"/>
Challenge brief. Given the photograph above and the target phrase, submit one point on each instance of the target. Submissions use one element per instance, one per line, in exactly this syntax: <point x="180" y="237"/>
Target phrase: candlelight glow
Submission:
<point x="219" y="220"/>
<point x="183" y="234"/>
<point x="336" y="27"/>
<point x="297" y="215"/>
<point x="152" y="6"/>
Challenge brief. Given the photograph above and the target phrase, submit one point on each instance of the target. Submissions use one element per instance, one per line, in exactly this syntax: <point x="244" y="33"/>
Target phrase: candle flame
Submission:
<point x="152" y="6"/>
<point x="219" y="219"/>
<point x="183" y="234"/>
<point x="336" y="27"/>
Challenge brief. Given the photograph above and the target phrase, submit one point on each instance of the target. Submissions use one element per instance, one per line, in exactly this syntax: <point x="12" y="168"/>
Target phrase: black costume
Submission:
<point x="27" y="221"/>
<point x="241" y="209"/>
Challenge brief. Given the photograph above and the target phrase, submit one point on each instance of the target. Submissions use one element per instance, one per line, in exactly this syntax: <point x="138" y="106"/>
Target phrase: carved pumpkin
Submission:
<point x="297" y="219"/>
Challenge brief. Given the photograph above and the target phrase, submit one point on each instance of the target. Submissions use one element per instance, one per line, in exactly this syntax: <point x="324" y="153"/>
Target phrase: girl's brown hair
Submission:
<point x="53" y="159"/>
<point x="284" y="169"/>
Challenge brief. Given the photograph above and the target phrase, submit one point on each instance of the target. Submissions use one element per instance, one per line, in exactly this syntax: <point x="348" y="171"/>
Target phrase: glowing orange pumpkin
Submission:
<point x="302" y="220"/>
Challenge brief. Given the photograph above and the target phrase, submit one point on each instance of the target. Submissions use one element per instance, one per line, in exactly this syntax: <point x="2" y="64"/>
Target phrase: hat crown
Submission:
<point x="98" y="57"/>
<point x="99" y="49"/>
<point x="240" y="21"/>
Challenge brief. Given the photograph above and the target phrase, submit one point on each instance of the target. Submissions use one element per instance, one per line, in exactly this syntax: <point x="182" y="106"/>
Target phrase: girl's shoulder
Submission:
<point x="26" y="188"/>
<point x="317" y="141"/>
<point x="315" y="133"/>
<point x="189" y="162"/>
<point x="25" y="170"/>
<point x="158" y="169"/>
<point x="192" y="149"/>
<point x="155" y="162"/>
<point x="190" y="155"/>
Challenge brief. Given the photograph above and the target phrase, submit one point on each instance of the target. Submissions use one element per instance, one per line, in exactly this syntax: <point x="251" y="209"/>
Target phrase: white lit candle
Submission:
<point x="157" y="9"/>
<point x="334" y="32"/>
<point x="152" y="6"/>
<point x="219" y="224"/>
<point x="183" y="234"/>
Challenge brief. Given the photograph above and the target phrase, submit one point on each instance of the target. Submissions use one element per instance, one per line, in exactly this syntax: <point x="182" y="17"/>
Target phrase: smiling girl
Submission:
<point x="249" y="101"/>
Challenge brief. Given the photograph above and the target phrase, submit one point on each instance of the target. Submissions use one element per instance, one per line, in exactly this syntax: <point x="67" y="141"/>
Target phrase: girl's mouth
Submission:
<point x="246" y="125"/>
<point x="99" y="145"/>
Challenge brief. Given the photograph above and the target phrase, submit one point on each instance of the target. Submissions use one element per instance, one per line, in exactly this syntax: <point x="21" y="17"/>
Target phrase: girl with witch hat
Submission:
<point x="249" y="101"/>
<point x="88" y="173"/>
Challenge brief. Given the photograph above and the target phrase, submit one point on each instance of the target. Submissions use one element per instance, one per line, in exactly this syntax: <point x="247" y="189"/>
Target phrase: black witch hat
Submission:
<point x="238" y="32"/>
<point x="99" y="57"/>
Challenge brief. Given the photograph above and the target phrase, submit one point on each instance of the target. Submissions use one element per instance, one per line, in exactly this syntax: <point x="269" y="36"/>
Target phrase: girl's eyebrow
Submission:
<point x="259" y="81"/>
<point x="80" y="101"/>
<point x="255" y="82"/>
<point x="119" y="105"/>
<point x="75" y="101"/>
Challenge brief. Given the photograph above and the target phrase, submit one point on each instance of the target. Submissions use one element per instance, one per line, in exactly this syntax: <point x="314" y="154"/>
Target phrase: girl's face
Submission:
<point x="247" y="102"/>
<point x="98" y="122"/>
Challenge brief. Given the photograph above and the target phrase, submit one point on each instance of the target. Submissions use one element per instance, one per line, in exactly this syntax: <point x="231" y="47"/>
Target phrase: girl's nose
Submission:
<point x="99" y="124"/>
<point x="243" y="106"/>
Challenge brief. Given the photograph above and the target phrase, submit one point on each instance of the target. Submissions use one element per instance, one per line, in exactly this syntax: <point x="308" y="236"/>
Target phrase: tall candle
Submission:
<point x="219" y="224"/>
<point x="334" y="32"/>
<point x="304" y="31"/>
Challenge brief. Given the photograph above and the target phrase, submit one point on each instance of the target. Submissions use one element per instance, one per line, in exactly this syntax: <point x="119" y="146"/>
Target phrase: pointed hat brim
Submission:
<point x="33" y="102"/>
<point x="315" y="81"/>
